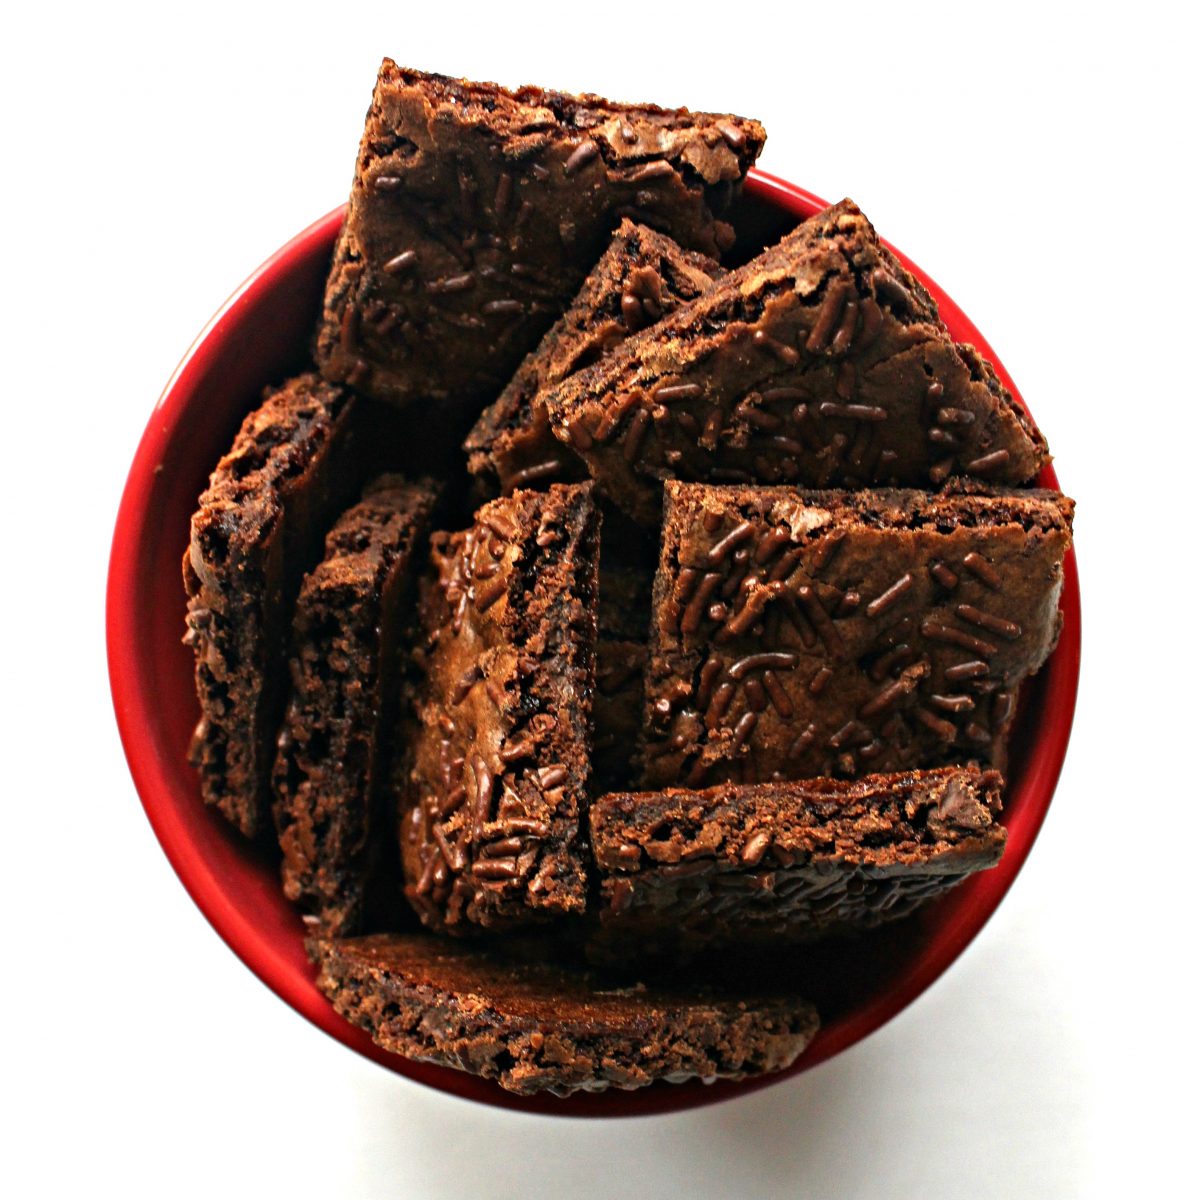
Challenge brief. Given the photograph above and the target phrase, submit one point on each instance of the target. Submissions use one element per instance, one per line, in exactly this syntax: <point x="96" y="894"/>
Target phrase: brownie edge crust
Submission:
<point x="774" y="864"/>
<point x="536" y="1027"/>
<point x="294" y="464"/>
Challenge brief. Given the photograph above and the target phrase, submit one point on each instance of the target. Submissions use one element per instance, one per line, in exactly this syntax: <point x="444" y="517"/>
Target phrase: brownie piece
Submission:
<point x="641" y="276"/>
<point x="768" y="863"/>
<point x="294" y="464"/>
<point x="835" y="633"/>
<point x="535" y="1026"/>
<point x="495" y="805"/>
<point x="821" y="362"/>
<point x="477" y="212"/>
<point x="330" y="766"/>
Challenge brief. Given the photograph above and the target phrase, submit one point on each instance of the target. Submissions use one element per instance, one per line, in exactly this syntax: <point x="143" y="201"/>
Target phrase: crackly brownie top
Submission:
<point x="500" y="987"/>
<point x="273" y="449"/>
<point x="476" y="214"/>
<point x="501" y="763"/>
<point x="879" y="820"/>
<point x="531" y="116"/>
<point x="533" y="1025"/>
<point x="821" y="362"/>
<point x="814" y="633"/>
<point x="640" y="277"/>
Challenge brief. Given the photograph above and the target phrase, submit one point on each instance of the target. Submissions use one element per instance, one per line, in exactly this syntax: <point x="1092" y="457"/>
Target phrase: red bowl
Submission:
<point x="258" y="337"/>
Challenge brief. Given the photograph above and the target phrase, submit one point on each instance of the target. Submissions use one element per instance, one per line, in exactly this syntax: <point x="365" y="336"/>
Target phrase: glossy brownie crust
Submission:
<point x="330" y="762"/>
<point x="822" y="362"/>
<point x="642" y="276"/>
<point x="773" y="863"/>
<point x="800" y="634"/>
<point x="476" y="213"/>
<point x="535" y="1027"/>
<point x="260" y="523"/>
<point x="493" y="819"/>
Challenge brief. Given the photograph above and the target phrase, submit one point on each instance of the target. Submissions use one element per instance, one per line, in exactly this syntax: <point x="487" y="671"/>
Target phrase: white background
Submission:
<point x="1035" y="162"/>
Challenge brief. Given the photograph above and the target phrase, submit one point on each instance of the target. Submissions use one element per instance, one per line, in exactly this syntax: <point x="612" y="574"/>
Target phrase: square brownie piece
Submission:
<point x="296" y="462"/>
<point x="536" y="1024"/>
<point x="642" y="276"/>
<point x="822" y="362"/>
<point x="801" y="633"/>
<point x="744" y="865"/>
<point x="477" y="212"/>
<point x="493" y="820"/>
<point x="331" y="768"/>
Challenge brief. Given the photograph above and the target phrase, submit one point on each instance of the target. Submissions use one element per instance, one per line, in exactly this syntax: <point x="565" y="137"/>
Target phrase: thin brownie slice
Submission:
<point x="477" y="212"/>
<point x="330" y="764"/>
<point x="295" y="463"/>
<point x="821" y="362"/>
<point x="766" y="863"/>
<point x="642" y="276"/>
<point x="834" y="633"/>
<point x="533" y="1026"/>
<point x="494" y="810"/>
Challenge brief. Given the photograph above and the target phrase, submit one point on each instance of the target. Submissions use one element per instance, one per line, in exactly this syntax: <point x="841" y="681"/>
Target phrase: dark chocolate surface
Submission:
<point x="294" y="464"/>
<point x="493" y="817"/>
<point x="642" y="276"/>
<point x="477" y="212"/>
<point x="535" y="1026"/>
<point x="822" y="362"/>
<point x="775" y="863"/>
<point x="799" y="634"/>
<point x="330" y="765"/>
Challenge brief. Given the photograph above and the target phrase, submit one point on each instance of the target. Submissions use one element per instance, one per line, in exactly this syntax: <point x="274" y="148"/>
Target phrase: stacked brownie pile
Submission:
<point x="710" y="636"/>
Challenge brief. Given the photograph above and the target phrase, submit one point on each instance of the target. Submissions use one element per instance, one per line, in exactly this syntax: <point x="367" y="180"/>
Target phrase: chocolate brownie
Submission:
<point x="641" y="276"/>
<point x="740" y="864"/>
<point x="835" y="633"/>
<point x="477" y="212"/>
<point x="822" y="362"/>
<point x="495" y="806"/>
<point x="535" y="1026"/>
<point x="295" y="464"/>
<point x="330" y="766"/>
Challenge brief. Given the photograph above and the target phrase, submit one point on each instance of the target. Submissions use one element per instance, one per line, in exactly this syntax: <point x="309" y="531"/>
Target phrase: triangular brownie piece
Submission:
<point x="642" y="276"/>
<point x="477" y="212"/>
<point x="821" y="362"/>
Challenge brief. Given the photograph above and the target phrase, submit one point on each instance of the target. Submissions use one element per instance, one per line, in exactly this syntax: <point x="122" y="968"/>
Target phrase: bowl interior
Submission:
<point x="258" y="338"/>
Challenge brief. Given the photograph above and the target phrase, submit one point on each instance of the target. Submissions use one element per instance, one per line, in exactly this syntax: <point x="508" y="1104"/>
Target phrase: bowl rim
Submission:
<point x="134" y="702"/>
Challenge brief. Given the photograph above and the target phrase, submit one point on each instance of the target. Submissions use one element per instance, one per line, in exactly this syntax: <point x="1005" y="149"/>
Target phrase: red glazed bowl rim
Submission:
<point x="134" y="702"/>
